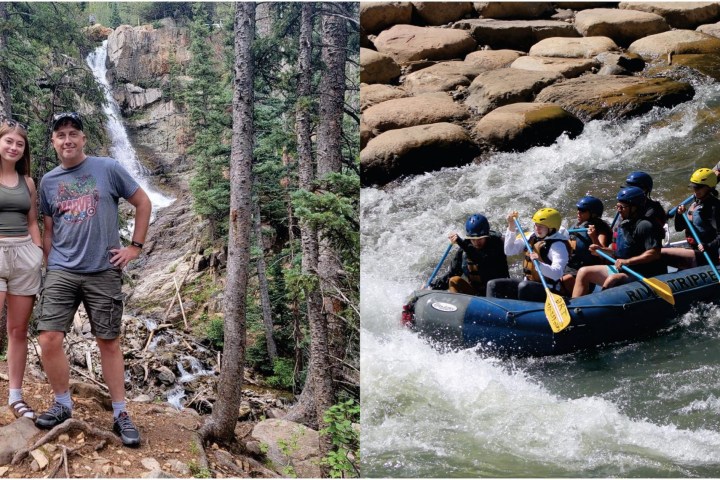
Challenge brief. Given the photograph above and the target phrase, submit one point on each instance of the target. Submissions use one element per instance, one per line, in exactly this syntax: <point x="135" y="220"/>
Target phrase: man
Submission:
<point x="654" y="211"/>
<point x="636" y="246"/>
<point x="479" y="259"/>
<point x="84" y="259"/>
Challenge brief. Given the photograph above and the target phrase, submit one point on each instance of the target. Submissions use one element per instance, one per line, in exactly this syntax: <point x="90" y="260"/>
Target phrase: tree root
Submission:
<point x="65" y="427"/>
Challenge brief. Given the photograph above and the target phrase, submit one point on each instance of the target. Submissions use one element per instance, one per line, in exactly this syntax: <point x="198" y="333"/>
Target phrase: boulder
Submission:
<point x="514" y="10"/>
<point x="376" y="67"/>
<point x="593" y="97"/>
<point x="377" y="16"/>
<point x="629" y="62"/>
<point x="514" y="34"/>
<point x="412" y="111"/>
<point x="442" y="77"/>
<point x="415" y="150"/>
<point x="131" y="97"/>
<point x="373" y="94"/>
<point x="706" y="64"/>
<point x="567" y="67"/>
<point x="520" y="126"/>
<point x="406" y="43"/>
<point x="302" y="451"/>
<point x="494" y="59"/>
<point x="496" y="88"/>
<point x="585" y="47"/>
<point x="13" y="437"/>
<point x="710" y="29"/>
<point x="440" y="13"/>
<point x="623" y="26"/>
<point x="586" y="5"/>
<point x="97" y="32"/>
<point x="683" y="15"/>
<point x="680" y="42"/>
<point x="366" y="134"/>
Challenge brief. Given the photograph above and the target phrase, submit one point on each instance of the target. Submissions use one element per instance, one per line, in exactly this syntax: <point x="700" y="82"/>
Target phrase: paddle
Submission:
<point x="555" y="309"/>
<point x="697" y="239"/>
<point x="432" y="277"/>
<point x="673" y="211"/>
<point x="578" y="230"/>
<point x="660" y="288"/>
<point x="617" y="215"/>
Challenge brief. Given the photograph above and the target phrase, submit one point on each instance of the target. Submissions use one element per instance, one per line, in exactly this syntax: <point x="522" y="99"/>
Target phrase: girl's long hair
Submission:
<point x="22" y="166"/>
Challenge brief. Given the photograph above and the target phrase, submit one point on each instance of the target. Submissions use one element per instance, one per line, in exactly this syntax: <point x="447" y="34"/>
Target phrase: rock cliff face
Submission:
<point x="140" y="60"/>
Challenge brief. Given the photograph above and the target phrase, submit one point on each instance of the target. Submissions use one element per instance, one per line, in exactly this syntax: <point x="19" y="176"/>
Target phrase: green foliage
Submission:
<point x="283" y="374"/>
<point x="207" y="98"/>
<point x="215" y="332"/>
<point x="115" y="20"/>
<point x="344" y="460"/>
<point x="197" y="471"/>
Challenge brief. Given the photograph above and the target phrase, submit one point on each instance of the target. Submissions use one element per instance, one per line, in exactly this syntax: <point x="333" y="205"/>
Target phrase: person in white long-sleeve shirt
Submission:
<point x="551" y="248"/>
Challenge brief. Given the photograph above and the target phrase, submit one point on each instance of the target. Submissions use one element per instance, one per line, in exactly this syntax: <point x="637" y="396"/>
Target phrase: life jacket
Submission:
<point x="542" y="248"/>
<point x="580" y="245"/>
<point x="481" y="274"/>
<point x="706" y="228"/>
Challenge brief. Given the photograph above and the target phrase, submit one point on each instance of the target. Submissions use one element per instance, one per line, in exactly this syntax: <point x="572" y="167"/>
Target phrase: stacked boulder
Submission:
<point x="442" y="83"/>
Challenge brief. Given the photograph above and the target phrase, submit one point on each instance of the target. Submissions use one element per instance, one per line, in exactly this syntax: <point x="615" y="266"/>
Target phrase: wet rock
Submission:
<point x="165" y="375"/>
<point x="415" y="150"/>
<point x="520" y="126"/>
<point x="593" y="97"/>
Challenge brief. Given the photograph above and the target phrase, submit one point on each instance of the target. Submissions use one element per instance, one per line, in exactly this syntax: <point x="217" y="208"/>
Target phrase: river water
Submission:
<point x="646" y="409"/>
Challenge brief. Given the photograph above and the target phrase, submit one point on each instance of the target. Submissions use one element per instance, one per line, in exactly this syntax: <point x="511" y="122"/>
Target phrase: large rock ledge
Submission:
<point x="415" y="150"/>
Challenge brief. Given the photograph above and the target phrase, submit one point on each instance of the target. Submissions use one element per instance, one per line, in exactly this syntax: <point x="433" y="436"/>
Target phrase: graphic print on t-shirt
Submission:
<point x="77" y="201"/>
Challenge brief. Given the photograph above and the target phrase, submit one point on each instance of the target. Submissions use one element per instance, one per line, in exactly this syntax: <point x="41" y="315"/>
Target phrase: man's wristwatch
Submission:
<point x="136" y="244"/>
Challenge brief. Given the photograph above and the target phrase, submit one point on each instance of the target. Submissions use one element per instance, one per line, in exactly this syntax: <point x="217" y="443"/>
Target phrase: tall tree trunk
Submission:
<point x="221" y="425"/>
<point x="329" y="152"/>
<point x="263" y="284"/>
<point x="5" y="102"/>
<point x="318" y="375"/>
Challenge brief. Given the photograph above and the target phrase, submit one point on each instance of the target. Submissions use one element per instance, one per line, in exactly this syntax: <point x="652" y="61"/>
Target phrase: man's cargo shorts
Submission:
<point x="100" y="293"/>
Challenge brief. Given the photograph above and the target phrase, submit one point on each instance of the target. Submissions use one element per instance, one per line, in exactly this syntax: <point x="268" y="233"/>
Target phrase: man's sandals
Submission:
<point x="22" y="409"/>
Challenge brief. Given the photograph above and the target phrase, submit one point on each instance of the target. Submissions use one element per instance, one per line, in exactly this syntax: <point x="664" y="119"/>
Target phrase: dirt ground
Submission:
<point x="167" y="438"/>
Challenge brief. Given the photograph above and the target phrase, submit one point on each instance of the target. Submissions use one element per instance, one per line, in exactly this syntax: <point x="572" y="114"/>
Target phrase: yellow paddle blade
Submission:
<point x="556" y="311"/>
<point x="661" y="288"/>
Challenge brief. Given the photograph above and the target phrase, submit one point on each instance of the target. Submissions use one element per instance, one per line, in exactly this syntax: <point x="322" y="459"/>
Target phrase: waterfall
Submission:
<point x="121" y="148"/>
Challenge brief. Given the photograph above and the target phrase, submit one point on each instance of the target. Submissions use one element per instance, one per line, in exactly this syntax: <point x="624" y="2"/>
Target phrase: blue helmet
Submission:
<point x="640" y="179"/>
<point x="477" y="226"/>
<point x="591" y="204"/>
<point x="631" y="196"/>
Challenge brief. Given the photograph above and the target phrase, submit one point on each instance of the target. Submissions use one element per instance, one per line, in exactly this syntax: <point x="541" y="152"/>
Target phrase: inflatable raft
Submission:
<point x="517" y="327"/>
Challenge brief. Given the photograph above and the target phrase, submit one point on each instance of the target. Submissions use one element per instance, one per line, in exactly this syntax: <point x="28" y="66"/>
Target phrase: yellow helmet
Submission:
<point x="548" y="217"/>
<point x="704" y="176"/>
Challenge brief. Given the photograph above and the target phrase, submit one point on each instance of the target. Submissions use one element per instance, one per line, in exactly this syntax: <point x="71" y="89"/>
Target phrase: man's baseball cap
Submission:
<point x="72" y="117"/>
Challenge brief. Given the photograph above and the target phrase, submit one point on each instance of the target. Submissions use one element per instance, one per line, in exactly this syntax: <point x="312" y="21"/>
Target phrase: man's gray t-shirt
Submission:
<point x="83" y="203"/>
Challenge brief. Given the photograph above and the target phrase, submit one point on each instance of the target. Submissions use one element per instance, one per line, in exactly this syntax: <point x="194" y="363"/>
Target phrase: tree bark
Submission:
<point x="5" y="102"/>
<point x="318" y="377"/>
<point x="329" y="151"/>
<point x="263" y="284"/>
<point x="221" y="425"/>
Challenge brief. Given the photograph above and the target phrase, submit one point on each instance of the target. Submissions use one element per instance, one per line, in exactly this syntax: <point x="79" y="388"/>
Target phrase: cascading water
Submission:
<point x="121" y="148"/>
<point x="647" y="409"/>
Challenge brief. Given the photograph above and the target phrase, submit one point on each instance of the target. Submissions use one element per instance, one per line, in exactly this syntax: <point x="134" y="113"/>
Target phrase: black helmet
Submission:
<point x="477" y="226"/>
<point x="640" y="179"/>
<point x="631" y="196"/>
<point x="591" y="204"/>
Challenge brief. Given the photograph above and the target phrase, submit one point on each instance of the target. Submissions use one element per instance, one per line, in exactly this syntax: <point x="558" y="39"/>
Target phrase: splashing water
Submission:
<point x="645" y="409"/>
